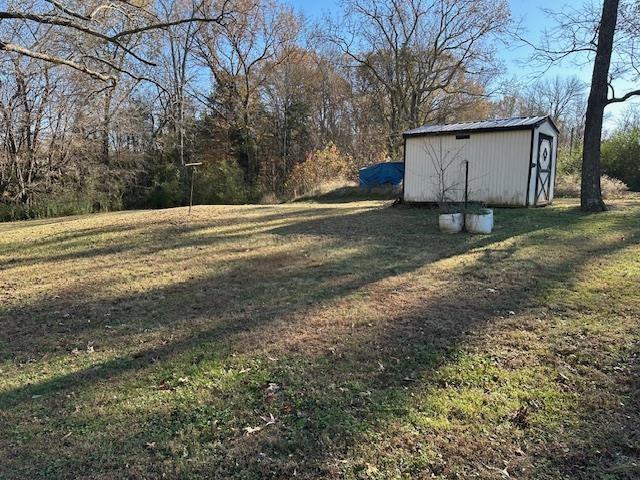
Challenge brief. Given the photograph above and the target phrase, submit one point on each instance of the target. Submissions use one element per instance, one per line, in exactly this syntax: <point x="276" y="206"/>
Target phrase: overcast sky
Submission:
<point x="532" y="17"/>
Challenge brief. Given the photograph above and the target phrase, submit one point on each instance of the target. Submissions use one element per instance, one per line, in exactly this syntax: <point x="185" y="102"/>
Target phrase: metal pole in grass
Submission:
<point x="466" y="183"/>
<point x="466" y="192"/>
<point x="193" y="174"/>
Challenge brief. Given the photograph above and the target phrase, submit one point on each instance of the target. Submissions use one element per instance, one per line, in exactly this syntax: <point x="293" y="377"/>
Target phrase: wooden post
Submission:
<point x="571" y="145"/>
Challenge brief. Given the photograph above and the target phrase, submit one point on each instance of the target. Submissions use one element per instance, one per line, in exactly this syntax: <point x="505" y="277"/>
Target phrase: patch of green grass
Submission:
<point x="309" y="340"/>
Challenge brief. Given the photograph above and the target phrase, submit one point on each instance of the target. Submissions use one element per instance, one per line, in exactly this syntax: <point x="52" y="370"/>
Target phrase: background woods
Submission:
<point x="102" y="104"/>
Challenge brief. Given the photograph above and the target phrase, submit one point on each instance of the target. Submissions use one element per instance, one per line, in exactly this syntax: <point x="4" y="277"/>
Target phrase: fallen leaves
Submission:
<point x="268" y="420"/>
<point x="251" y="430"/>
<point x="272" y="389"/>
<point x="90" y="348"/>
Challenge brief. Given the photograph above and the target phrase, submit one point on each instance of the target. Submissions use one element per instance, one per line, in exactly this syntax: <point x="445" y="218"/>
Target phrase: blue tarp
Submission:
<point x="388" y="173"/>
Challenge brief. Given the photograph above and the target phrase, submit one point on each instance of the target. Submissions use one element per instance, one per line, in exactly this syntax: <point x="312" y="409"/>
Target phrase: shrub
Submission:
<point x="158" y="183"/>
<point x="68" y="199"/>
<point x="568" y="185"/>
<point x="621" y="157"/>
<point x="613" y="188"/>
<point x="165" y="189"/>
<point x="220" y="181"/>
<point x="321" y="171"/>
<point x="569" y="163"/>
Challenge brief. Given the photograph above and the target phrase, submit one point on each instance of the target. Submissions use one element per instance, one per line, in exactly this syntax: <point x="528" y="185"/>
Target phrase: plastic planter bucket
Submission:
<point x="451" y="222"/>
<point x="481" y="222"/>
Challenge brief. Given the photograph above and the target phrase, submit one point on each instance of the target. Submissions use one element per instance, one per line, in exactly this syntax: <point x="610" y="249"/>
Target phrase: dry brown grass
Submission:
<point x="568" y="186"/>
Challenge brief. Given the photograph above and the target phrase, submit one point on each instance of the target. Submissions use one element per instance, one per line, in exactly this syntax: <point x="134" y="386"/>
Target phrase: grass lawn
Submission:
<point x="317" y="340"/>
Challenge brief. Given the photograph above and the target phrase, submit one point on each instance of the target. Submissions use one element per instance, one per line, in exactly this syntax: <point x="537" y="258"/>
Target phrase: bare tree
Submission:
<point x="563" y="98"/>
<point x="422" y="52"/>
<point x="609" y="38"/>
<point x="177" y="67"/>
<point x="557" y="96"/>
<point x="240" y="56"/>
<point x="93" y="22"/>
<point x="37" y="123"/>
<point x="590" y="190"/>
<point x="99" y="97"/>
<point x="630" y="118"/>
<point x="446" y="165"/>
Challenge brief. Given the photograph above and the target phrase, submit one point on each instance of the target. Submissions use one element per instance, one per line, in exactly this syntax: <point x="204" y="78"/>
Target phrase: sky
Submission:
<point x="534" y="20"/>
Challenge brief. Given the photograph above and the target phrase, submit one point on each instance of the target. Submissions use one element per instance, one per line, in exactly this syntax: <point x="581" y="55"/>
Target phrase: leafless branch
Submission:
<point x="10" y="47"/>
<point x="624" y="98"/>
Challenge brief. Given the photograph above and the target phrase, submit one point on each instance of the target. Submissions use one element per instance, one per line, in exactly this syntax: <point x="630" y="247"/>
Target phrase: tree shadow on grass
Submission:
<point x="158" y="235"/>
<point x="318" y="423"/>
<point x="286" y="281"/>
<point x="384" y="367"/>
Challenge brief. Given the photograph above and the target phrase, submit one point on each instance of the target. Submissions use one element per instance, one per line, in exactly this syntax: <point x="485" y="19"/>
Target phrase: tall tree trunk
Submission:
<point x="590" y="192"/>
<point x="106" y="129"/>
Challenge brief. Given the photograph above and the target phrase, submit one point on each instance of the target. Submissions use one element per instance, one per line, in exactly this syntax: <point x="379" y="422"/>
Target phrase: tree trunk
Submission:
<point x="590" y="192"/>
<point x="106" y="129"/>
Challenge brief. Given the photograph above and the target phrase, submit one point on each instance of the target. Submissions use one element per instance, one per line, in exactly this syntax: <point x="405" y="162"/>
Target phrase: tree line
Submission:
<point x="102" y="104"/>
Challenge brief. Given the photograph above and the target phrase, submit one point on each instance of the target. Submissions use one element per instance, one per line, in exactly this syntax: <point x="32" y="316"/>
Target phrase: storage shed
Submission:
<point x="509" y="162"/>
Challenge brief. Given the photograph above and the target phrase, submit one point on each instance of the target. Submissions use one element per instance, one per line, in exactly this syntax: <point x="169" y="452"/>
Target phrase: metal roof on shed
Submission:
<point x="516" y="123"/>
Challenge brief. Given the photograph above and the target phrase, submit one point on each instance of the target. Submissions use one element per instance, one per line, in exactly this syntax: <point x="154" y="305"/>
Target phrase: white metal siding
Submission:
<point x="498" y="164"/>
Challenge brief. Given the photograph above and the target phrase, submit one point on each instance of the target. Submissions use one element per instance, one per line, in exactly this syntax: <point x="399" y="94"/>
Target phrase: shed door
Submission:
<point x="543" y="170"/>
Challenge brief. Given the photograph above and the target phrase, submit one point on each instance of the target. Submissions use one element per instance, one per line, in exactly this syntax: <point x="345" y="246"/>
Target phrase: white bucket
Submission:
<point x="479" y="222"/>
<point x="451" y="222"/>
